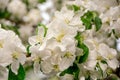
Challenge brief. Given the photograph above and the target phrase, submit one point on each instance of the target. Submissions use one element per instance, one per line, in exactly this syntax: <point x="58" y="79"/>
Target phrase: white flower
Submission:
<point x="33" y="17"/>
<point x="97" y="5"/>
<point x="38" y="56"/>
<point x="110" y="55"/>
<point x="30" y="75"/>
<point x="12" y="49"/>
<point x="25" y="32"/>
<point x="3" y="4"/>
<point x="32" y="3"/>
<point x="17" y="8"/>
<point x="58" y="61"/>
<point x="67" y="77"/>
<point x="103" y="52"/>
<point x="39" y="38"/>
<point x="3" y="73"/>
<point x="59" y="29"/>
<point x="64" y="15"/>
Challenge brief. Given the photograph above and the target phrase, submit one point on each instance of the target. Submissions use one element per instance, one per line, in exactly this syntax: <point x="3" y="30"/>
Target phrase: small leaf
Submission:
<point x="28" y="50"/>
<point x="103" y="61"/>
<point x="73" y="70"/>
<point x="87" y="20"/>
<point x="81" y="45"/>
<point x="4" y="14"/>
<point x="90" y="18"/>
<point x="26" y="2"/>
<point x="41" y="1"/>
<point x="75" y="8"/>
<point x="84" y="57"/>
<point x="98" y="23"/>
<point x="19" y="76"/>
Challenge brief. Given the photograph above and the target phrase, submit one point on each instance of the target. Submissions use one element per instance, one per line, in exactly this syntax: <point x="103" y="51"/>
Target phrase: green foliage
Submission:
<point x="4" y="14"/>
<point x="84" y="57"/>
<point x="90" y="18"/>
<point x="19" y="76"/>
<point x="73" y="7"/>
<point x="41" y="1"/>
<point x="9" y="27"/>
<point x="104" y="62"/>
<point x="88" y="78"/>
<point x="73" y="70"/>
<point x="98" y="23"/>
<point x="81" y="45"/>
<point x="26" y="2"/>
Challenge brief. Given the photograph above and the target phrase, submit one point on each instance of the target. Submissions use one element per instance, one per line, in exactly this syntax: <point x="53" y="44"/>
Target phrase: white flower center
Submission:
<point x="15" y="55"/>
<point x="56" y="67"/>
<point x="1" y="44"/>
<point x="68" y="55"/>
<point x="60" y="36"/>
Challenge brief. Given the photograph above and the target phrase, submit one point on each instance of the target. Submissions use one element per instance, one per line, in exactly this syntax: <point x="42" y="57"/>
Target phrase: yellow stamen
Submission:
<point x="68" y="55"/>
<point x="59" y="37"/>
<point x="56" y="67"/>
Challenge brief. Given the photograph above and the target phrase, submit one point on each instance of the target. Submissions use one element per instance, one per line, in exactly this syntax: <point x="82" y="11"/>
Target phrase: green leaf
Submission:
<point x="87" y="20"/>
<point x="41" y="1"/>
<point x="84" y="57"/>
<point x="103" y="61"/>
<point x="19" y="76"/>
<point x="98" y="23"/>
<point x="26" y="2"/>
<point x="90" y="18"/>
<point x="4" y="14"/>
<point x="88" y="78"/>
<point x="81" y="45"/>
<point x="73" y="7"/>
<point x="10" y="27"/>
<point x="45" y="28"/>
<point x="73" y="70"/>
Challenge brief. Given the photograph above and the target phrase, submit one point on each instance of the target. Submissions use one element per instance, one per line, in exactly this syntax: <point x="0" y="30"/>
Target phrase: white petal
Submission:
<point x="66" y="62"/>
<point x="103" y="66"/>
<point x="46" y="66"/>
<point x="3" y="73"/>
<point x="36" y="67"/>
<point x="22" y="58"/>
<point x="32" y="40"/>
<point x="113" y="63"/>
<point x="15" y="66"/>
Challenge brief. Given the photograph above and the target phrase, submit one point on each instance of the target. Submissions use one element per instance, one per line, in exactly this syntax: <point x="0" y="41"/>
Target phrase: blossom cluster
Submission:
<point x="79" y="43"/>
<point x="22" y="16"/>
<point x="12" y="52"/>
<point x="82" y="35"/>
